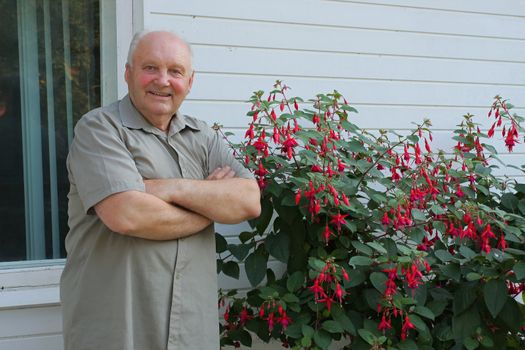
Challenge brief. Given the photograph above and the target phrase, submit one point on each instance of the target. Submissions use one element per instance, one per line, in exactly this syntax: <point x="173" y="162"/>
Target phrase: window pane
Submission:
<point x="49" y="77"/>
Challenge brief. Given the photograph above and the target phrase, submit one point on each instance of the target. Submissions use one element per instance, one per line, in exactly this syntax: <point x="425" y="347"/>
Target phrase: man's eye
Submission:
<point x="149" y="68"/>
<point x="175" y="71"/>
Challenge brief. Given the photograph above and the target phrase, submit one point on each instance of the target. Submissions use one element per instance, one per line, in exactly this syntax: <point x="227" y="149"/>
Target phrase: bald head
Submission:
<point x="142" y="35"/>
<point x="159" y="74"/>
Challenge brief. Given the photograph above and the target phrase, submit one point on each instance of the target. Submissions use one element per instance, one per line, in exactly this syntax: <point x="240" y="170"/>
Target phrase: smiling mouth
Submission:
<point x="160" y="94"/>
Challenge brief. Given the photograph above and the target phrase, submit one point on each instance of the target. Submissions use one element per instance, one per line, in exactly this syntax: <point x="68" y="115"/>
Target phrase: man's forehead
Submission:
<point x="149" y="45"/>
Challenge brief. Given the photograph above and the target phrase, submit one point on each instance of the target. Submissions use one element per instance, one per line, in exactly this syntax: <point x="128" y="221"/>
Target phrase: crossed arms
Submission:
<point x="176" y="208"/>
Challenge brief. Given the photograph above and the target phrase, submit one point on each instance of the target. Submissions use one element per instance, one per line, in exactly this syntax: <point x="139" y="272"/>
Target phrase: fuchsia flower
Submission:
<point x="338" y="220"/>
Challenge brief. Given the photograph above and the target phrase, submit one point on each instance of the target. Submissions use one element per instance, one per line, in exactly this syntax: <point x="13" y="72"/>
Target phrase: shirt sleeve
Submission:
<point x="99" y="162"/>
<point x="221" y="155"/>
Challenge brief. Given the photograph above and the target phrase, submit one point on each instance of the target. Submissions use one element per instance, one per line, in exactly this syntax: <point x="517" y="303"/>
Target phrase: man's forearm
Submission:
<point x="227" y="201"/>
<point x="143" y="215"/>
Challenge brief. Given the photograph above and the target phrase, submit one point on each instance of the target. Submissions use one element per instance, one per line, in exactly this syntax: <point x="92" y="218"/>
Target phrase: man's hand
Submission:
<point x="221" y="173"/>
<point x="162" y="188"/>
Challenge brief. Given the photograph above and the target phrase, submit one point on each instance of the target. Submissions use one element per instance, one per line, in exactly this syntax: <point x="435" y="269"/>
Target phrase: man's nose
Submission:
<point x="163" y="78"/>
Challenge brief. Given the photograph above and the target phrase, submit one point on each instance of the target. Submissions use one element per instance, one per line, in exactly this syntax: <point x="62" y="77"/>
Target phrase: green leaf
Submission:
<point x="268" y="292"/>
<point x="308" y="331"/>
<point x="261" y="223"/>
<point x="359" y="260"/>
<point x="467" y="252"/>
<point x="408" y="344"/>
<point x="418" y="215"/>
<point x="367" y="336"/>
<point x="339" y="315"/>
<point x="440" y="226"/>
<point x="239" y="251"/>
<point x="425" y="312"/>
<point x="295" y="281"/>
<point x="220" y="243"/>
<point x="511" y="315"/>
<point x="437" y="306"/>
<point x="463" y="298"/>
<point x="378" y="280"/>
<point x="519" y="270"/>
<point x="356" y="146"/>
<point x="453" y="271"/>
<point x="255" y="266"/>
<point x="306" y="342"/>
<point x="246" y="236"/>
<point x="219" y="266"/>
<point x="322" y="339"/>
<point x="290" y="298"/>
<point x="418" y="322"/>
<point x="465" y="324"/>
<point x="245" y="338"/>
<point x="509" y="201"/>
<point x="231" y="268"/>
<point x="443" y="255"/>
<point x="278" y="245"/>
<point x="495" y="294"/>
<point x="356" y="278"/>
<point x="332" y="326"/>
<point x="372" y="297"/>
<point x="378" y="247"/>
<point x="473" y="276"/>
<point x="363" y="248"/>
<point x="438" y="209"/>
<point x="470" y="343"/>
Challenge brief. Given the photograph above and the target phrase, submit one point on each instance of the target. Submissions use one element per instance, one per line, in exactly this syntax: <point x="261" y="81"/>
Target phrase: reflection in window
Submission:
<point x="49" y="77"/>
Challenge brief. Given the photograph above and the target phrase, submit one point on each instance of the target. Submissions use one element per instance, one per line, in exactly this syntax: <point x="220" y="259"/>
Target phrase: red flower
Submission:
<point x="407" y="325"/>
<point x="273" y="115"/>
<point x="384" y="324"/>
<point x="338" y="220"/>
<point x="502" y="244"/>
<point x="244" y="316"/>
<point x="284" y="320"/>
<point x="298" y="197"/>
<point x="249" y="133"/>
<point x="326" y="233"/>
<point x="288" y="145"/>
<point x="386" y="220"/>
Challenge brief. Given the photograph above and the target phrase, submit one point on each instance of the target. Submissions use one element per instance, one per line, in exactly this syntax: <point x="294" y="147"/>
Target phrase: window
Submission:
<point x="49" y="77"/>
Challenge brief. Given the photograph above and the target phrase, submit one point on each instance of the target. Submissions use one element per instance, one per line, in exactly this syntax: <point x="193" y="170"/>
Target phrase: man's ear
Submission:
<point x="191" y="81"/>
<point x="127" y="72"/>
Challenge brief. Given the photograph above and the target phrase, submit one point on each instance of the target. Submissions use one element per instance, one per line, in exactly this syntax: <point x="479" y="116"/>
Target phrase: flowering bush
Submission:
<point x="386" y="243"/>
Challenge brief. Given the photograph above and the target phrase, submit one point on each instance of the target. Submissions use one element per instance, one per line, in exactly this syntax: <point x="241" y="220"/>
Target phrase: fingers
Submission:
<point x="221" y="173"/>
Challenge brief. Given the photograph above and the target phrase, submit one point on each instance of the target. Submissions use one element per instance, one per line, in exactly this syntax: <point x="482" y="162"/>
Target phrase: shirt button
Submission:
<point x="177" y="276"/>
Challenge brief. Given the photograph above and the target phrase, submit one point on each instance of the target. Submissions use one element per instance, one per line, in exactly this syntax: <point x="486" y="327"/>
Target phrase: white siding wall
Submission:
<point x="396" y="61"/>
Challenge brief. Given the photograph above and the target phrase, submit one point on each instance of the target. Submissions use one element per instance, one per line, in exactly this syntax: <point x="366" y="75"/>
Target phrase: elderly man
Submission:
<point x="147" y="183"/>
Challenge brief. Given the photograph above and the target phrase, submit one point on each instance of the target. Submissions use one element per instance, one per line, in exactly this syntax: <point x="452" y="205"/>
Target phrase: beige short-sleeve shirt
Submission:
<point x="121" y="292"/>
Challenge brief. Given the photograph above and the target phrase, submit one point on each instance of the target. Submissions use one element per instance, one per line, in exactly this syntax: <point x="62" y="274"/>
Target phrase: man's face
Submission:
<point x="159" y="77"/>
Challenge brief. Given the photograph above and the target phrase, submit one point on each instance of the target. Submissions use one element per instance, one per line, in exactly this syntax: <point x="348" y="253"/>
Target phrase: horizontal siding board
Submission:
<point x="239" y="88"/>
<point x="37" y="342"/>
<point x="30" y="277"/>
<point x="504" y="7"/>
<point x="355" y="66"/>
<point x="347" y="14"/>
<point x="31" y="321"/>
<point x="246" y="33"/>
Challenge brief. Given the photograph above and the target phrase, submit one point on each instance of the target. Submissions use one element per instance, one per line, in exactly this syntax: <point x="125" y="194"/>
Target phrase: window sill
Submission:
<point x="30" y="287"/>
<point x="29" y="298"/>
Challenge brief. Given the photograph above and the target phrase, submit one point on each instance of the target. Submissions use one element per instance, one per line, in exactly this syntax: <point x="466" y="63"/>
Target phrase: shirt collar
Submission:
<point x="133" y="119"/>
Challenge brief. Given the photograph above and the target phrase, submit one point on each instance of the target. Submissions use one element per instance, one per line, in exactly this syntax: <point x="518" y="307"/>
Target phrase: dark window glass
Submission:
<point x="49" y="77"/>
